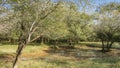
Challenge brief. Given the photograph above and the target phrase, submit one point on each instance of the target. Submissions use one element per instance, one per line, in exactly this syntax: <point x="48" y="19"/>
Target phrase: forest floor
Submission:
<point x="84" y="55"/>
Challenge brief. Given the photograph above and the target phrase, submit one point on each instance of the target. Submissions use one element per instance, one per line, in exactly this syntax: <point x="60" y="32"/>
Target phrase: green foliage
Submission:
<point x="50" y="22"/>
<point x="108" y="26"/>
<point x="79" y="25"/>
<point x="110" y="7"/>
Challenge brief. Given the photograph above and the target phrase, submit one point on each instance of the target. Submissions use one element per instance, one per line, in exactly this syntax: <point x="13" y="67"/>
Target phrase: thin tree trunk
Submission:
<point x="42" y="40"/>
<point x="48" y="40"/>
<point x="110" y="45"/>
<point x="103" y="46"/>
<point x="107" y="46"/>
<point x="70" y="42"/>
<point x="18" y="53"/>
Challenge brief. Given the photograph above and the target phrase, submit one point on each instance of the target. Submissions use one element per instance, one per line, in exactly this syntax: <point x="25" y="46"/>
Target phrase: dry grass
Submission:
<point x="82" y="56"/>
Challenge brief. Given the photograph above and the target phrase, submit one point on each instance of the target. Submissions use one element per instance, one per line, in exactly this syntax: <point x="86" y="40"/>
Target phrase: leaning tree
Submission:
<point x="28" y="16"/>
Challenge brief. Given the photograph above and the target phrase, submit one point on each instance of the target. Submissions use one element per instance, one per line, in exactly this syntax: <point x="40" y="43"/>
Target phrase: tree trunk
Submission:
<point x="42" y="40"/>
<point x="107" y="44"/>
<point x="18" y="53"/>
<point x="70" y="42"/>
<point x="109" y="47"/>
<point x="48" y="40"/>
<point x="103" y="46"/>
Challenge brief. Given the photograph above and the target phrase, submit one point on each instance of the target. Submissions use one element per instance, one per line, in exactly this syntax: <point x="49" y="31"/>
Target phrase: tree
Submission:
<point x="29" y="15"/>
<point x="54" y="26"/>
<point x="77" y="23"/>
<point x="108" y="27"/>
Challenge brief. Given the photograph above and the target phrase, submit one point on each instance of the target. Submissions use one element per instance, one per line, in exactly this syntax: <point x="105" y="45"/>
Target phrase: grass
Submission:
<point x="42" y="56"/>
<point x="98" y="44"/>
<point x="12" y="48"/>
<point x="38" y="63"/>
